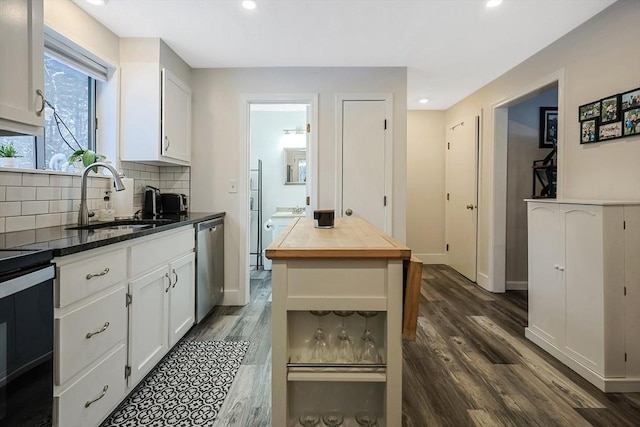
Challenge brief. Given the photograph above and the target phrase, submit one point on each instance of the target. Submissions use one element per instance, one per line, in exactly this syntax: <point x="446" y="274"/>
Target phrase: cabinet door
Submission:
<point x="176" y="117"/>
<point x="148" y="322"/>
<point x="181" y="297"/>
<point x="546" y="288"/>
<point x="584" y="294"/>
<point x="21" y="65"/>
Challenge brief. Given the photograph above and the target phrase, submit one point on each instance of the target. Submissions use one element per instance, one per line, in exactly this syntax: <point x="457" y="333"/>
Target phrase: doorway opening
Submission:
<point x="280" y="175"/>
<point x="517" y="144"/>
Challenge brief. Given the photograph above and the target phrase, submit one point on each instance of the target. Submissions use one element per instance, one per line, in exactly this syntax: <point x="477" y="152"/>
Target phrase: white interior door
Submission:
<point x="462" y="196"/>
<point x="363" y="161"/>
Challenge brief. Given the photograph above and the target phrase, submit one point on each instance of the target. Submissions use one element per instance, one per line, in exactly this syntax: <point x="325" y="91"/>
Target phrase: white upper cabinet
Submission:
<point x="155" y="103"/>
<point x="21" y="66"/>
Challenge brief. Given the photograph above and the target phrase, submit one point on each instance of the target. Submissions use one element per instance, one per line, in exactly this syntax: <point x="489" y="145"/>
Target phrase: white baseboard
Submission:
<point x="513" y="285"/>
<point x="607" y="385"/>
<point x="482" y="280"/>
<point x="432" y="258"/>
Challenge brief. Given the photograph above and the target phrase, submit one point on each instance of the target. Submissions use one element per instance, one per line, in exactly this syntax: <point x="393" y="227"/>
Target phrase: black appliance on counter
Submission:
<point x="152" y="201"/>
<point x="174" y="203"/>
<point x="26" y="337"/>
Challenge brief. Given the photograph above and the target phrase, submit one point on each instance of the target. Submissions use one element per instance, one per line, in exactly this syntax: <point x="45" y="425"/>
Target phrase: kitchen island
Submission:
<point x="342" y="281"/>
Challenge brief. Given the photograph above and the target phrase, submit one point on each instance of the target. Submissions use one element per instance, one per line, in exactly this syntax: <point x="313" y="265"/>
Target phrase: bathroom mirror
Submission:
<point x="295" y="166"/>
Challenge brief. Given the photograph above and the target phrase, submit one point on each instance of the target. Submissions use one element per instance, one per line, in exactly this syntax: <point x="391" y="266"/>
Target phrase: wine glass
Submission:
<point x="309" y="419"/>
<point x="333" y="419"/>
<point x="344" y="345"/>
<point x="366" y="419"/>
<point x="318" y="350"/>
<point x="368" y="352"/>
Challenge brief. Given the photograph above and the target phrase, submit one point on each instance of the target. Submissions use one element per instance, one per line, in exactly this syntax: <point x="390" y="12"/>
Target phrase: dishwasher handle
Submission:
<point x="209" y="224"/>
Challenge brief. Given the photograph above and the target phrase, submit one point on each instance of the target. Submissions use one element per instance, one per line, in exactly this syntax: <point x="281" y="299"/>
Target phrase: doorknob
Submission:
<point x="470" y="207"/>
<point x="348" y="212"/>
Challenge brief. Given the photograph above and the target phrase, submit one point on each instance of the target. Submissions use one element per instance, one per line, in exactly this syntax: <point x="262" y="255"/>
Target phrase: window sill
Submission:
<point x="52" y="172"/>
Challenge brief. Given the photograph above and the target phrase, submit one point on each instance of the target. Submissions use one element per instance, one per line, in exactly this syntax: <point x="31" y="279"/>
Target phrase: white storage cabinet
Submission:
<point x="22" y="66"/>
<point x="584" y="288"/>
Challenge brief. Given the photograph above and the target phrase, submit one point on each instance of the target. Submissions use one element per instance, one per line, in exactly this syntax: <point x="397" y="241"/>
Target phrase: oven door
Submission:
<point x="26" y="347"/>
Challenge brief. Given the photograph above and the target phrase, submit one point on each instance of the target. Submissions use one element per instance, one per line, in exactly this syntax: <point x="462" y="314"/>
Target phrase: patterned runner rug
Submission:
<point x="187" y="388"/>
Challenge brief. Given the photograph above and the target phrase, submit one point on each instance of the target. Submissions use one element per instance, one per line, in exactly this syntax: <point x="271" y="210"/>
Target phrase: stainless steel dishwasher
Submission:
<point x="209" y="266"/>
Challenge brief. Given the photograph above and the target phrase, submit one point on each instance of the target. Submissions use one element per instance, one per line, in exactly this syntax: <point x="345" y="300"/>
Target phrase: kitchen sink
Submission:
<point x="126" y="224"/>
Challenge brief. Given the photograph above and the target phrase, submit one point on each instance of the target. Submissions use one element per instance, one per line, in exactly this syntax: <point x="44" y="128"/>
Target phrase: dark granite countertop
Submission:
<point x="67" y="242"/>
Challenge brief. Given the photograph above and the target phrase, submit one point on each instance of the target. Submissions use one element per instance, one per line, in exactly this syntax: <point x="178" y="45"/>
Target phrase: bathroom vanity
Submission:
<point x="352" y="270"/>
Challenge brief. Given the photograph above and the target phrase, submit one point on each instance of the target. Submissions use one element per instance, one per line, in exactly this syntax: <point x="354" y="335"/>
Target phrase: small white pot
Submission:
<point x="8" y="162"/>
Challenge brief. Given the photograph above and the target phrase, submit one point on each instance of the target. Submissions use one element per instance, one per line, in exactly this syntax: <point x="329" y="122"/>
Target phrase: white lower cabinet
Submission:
<point x="584" y="287"/>
<point x="119" y="310"/>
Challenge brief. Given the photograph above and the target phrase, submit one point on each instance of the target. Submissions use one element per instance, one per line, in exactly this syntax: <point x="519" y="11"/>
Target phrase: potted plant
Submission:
<point x="87" y="156"/>
<point x="8" y="155"/>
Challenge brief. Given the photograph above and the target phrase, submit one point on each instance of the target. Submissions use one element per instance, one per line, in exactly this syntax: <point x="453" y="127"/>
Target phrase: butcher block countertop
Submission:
<point x="350" y="238"/>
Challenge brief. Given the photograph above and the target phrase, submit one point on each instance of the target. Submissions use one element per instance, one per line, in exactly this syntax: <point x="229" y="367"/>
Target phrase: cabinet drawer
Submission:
<point x="83" y="335"/>
<point x="87" y="276"/>
<point x="106" y="379"/>
<point x="152" y="253"/>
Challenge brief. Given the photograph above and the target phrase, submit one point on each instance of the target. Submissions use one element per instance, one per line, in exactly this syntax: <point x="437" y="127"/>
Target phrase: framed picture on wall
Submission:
<point x="631" y="99"/>
<point x="610" y="131"/>
<point x="548" y="127"/>
<point x="609" y="109"/>
<point x="589" y="111"/>
<point x="588" y="131"/>
<point x="631" y="121"/>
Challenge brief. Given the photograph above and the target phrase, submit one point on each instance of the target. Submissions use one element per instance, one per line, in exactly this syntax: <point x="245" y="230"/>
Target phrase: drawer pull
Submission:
<point x="168" y="277"/>
<point x="102" y="273"/>
<point x="104" y="328"/>
<point x="175" y="274"/>
<point x="90" y="402"/>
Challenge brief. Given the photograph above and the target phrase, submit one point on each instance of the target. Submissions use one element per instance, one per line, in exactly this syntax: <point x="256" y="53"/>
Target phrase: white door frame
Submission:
<point x="496" y="276"/>
<point x="244" y="176"/>
<point x="388" y="154"/>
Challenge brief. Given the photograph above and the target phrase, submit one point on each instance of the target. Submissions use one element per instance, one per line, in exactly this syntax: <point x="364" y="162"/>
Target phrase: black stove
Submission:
<point x="18" y="259"/>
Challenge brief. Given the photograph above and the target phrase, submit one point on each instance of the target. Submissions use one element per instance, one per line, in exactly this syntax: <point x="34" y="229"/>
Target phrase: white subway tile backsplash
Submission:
<point x="10" y="178"/>
<point x="48" y="220"/>
<point x="20" y="193"/>
<point x="145" y="175"/>
<point x="2" y="221"/>
<point x="19" y="223"/>
<point x="56" y="206"/>
<point x="48" y="193"/>
<point x="68" y="218"/>
<point x="184" y="176"/>
<point x="10" y="209"/>
<point x="35" y="180"/>
<point x="94" y="193"/>
<point x="2" y="194"/>
<point x="166" y="176"/>
<point x="60" y="180"/>
<point x="70" y="193"/>
<point x="35" y="207"/>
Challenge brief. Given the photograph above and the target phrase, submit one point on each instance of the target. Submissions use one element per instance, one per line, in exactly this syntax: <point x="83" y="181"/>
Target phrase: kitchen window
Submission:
<point x="70" y="80"/>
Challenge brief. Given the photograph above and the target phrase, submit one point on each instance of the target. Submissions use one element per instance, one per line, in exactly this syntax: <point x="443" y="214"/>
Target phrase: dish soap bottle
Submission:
<point x="106" y="213"/>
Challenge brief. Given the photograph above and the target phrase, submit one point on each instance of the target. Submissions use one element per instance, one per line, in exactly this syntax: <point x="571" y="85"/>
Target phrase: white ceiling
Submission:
<point x="451" y="48"/>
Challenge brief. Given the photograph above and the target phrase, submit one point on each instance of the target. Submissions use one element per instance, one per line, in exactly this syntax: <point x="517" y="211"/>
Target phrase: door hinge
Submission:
<point x="625" y="356"/>
<point x="96" y="123"/>
<point x="385" y="124"/>
<point x="448" y="145"/>
<point x="624" y="225"/>
<point x="308" y="127"/>
<point x="128" y="300"/>
<point x="625" y="291"/>
<point x="447" y="196"/>
<point x="385" y="201"/>
<point x="308" y="201"/>
<point x="127" y="371"/>
<point x="447" y="247"/>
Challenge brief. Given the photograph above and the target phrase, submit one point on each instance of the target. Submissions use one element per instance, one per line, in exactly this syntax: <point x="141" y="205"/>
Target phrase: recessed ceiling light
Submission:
<point x="423" y="101"/>
<point x="493" y="3"/>
<point x="249" y="4"/>
<point x="98" y="2"/>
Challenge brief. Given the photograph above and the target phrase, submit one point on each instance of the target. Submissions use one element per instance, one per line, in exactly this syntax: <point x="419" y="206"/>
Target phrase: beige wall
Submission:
<point x="597" y="59"/>
<point x="425" y="185"/>
<point x="217" y="146"/>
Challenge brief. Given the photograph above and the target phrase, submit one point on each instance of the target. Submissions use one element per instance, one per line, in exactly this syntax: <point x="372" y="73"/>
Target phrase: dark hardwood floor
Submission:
<point x="469" y="366"/>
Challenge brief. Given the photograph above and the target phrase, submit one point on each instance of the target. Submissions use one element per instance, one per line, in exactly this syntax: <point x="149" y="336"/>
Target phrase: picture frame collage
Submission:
<point x="616" y="116"/>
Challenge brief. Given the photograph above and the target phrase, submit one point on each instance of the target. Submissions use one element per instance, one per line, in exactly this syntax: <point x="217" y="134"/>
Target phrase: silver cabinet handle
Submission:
<point x="169" y="278"/>
<point x="41" y="109"/>
<point x="348" y="212"/>
<point x="90" y="402"/>
<point x="104" y="328"/>
<point x="167" y="143"/>
<point x="175" y="274"/>
<point x="102" y="273"/>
